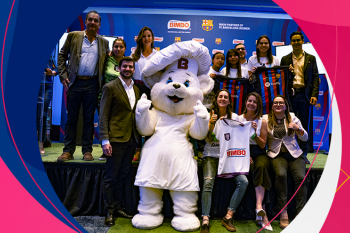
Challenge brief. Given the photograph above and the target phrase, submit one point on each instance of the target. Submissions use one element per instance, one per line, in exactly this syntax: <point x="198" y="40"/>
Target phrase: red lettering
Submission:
<point x="243" y="152"/>
<point x="239" y="152"/>
<point x="187" y="25"/>
<point x="182" y="64"/>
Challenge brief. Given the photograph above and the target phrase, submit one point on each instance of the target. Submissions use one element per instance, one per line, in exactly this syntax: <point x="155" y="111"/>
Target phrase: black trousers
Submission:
<point x="117" y="168"/>
<point x="82" y="92"/>
<point x="280" y="165"/>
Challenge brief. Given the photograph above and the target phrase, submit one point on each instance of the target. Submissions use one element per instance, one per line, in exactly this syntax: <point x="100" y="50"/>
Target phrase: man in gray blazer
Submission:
<point x="85" y="52"/>
<point x="304" y="86"/>
<point x="118" y="135"/>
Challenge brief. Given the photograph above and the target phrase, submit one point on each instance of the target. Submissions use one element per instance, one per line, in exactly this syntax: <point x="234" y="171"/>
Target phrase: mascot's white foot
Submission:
<point x="147" y="221"/>
<point x="189" y="222"/>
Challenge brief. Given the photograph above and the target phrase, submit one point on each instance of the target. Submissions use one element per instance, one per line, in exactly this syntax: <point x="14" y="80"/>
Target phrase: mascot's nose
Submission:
<point x="176" y="85"/>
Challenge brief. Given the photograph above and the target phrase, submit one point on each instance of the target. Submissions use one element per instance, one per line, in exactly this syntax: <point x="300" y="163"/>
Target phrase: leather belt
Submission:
<point x="86" y="77"/>
<point x="299" y="89"/>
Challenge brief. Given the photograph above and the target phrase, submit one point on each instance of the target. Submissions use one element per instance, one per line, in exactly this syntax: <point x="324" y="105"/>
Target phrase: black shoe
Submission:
<point x="205" y="228"/>
<point x="110" y="219"/>
<point x="122" y="214"/>
<point x="306" y="160"/>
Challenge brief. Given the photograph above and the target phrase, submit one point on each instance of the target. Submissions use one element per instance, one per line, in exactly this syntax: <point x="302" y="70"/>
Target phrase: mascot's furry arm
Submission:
<point x="145" y="119"/>
<point x="200" y="126"/>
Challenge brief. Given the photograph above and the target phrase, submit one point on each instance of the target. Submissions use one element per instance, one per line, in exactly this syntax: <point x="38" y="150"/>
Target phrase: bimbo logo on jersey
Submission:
<point x="199" y="40"/>
<point x="277" y="43"/>
<point x="318" y="118"/>
<point x="158" y="39"/>
<point x="237" y="41"/>
<point x="236" y="152"/>
<point x="175" y="24"/>
<point x="218" y="50"/>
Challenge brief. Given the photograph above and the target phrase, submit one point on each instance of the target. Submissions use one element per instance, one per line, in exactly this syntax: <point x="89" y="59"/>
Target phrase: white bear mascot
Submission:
<point x="167" y="158"/>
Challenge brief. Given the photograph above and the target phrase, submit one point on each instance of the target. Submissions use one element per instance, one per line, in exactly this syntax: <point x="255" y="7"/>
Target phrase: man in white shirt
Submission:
<point x="304" y="86"/>
<point x="119" y="136"/>
<point x="242" y="54"/>
<point x="86" y="52"/>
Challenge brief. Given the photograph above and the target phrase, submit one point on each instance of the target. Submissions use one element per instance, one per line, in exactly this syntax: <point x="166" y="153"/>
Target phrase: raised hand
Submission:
<point x="143" y="104"/>
<point x="200" y="110"/>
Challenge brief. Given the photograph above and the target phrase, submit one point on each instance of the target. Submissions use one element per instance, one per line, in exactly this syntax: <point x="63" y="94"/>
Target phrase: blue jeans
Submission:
<point x="302" y="109"/>
<point x="82" y="92"/>
<point x="210" y="167"/>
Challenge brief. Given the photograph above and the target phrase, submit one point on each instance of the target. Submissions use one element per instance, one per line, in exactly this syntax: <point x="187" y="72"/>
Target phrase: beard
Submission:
<point x="126" y="77"/>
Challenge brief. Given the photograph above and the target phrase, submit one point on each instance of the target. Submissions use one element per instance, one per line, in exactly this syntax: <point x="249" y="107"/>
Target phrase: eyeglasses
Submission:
<point x="91" y="19"/>
<point x="239" y="49"/>
<point x="278" y="103"/>
<point x="296" y="40"/>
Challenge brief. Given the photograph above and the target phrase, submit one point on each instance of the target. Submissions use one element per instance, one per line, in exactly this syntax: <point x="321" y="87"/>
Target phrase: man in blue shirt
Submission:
<point x="86" y="52"/>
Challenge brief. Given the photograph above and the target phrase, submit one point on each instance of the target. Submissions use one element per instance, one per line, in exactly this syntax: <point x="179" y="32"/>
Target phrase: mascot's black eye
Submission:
<point x="187" y="83"/>
<point x="169" y="81"/>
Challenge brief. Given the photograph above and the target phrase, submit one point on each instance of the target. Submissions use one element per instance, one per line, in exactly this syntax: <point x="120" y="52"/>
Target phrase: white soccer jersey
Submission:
<point x="234" y="147"/>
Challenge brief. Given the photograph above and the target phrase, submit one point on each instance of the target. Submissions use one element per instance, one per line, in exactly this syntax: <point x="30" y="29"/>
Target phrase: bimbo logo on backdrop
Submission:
<point x="158" y="39"/>
<point x="199" y="40"/>
<point x="217" y="40"/>
<point x="207" y="25"/>
<point x="237" y="41"/>
<point x="277" y="43"/>
<point x="320" y="93"/>
<point x="236" y="152"/>
<point x="218" y="50"/>
<point x="318" y="144"/>
<point x="133" y="49"/>
<point x="318" y="118"/>
<point x="176" y="24"/>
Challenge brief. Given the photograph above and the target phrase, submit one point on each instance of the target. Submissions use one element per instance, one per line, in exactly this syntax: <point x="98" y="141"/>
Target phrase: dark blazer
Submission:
<point x="117" y="119"/>
<point x="71" y="51"/>
<point x="311" y="77"/>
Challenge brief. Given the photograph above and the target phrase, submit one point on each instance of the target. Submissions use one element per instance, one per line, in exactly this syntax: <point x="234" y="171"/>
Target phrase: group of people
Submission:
<point x="277" y="130"/>
<point x="95" y="76"/>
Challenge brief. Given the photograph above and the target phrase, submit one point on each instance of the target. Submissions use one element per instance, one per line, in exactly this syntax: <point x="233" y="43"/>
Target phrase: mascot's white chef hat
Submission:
<point x="189" y="55"/>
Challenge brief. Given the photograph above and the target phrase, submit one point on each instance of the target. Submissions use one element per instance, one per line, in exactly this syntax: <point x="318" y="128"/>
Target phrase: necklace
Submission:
<point x="279" y="121"/>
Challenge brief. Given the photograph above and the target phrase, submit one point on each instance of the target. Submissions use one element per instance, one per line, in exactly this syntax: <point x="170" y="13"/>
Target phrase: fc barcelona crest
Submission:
<point x="278" y="75"/>
<point x="207" y="25"/>
<point x="217" y="40"/>
<point x="237" y="88"/>
<point x="227" y="136"/>
<point x="177" y="39"/>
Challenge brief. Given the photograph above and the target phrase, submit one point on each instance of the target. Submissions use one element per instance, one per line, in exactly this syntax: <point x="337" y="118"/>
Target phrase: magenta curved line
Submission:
<point x="8" y="125"/>
<point x="318" y="148"/>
